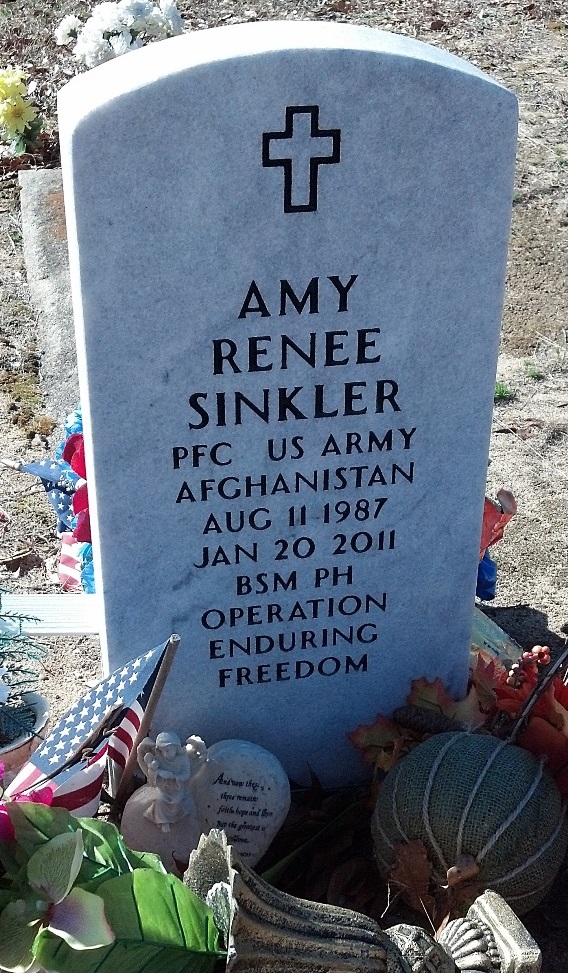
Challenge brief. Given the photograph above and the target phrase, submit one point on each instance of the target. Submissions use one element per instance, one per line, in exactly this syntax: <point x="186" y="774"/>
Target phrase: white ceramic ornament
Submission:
<point x="243" y="790"/>
<point x="235" y="786"/>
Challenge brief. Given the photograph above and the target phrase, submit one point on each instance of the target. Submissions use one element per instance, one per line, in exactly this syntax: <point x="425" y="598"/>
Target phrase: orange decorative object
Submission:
<point x="496" y="516"/>
<point x="493" y="689"/>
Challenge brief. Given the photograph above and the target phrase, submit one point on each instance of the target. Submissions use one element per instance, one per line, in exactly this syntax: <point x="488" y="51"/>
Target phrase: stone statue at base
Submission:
<point x="268" y="931"/>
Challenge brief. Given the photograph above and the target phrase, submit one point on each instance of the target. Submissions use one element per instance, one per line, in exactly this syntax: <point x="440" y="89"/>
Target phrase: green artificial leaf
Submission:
<point x="18" y="930"/>
<point x="18" y="146"/>
<point x="145" y="859"/>
<point x="12" y="857"/>
<point x="105" y="854"/>
<point x="19" y="886"/>
<point x="34" y="824"/>
<point x="53" y="868"/>
<point x="159" y="924"/>
<point x="5" y="897"/>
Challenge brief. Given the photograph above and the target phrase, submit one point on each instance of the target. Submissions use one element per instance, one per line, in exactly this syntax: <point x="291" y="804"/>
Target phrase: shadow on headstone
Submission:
<point x="47" y="265"/>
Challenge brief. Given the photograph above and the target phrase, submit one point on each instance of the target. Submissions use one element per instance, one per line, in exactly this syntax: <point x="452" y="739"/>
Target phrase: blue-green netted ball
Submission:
<point x="470" y="794"/>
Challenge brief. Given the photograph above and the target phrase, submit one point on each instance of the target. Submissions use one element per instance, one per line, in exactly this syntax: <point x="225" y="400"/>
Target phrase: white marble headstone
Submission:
<point x="288" y="246"/>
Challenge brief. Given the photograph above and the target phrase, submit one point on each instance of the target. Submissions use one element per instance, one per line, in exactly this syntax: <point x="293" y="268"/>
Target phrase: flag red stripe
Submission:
<point x="69" y="564"/>
<point x="118" y="746"/>
<point x="123" y="735"/>
<point x="95" y="757"/>
<point x="117" y="756"/>
<point x="76" y="799"/>
<point x="24" y="780"/>
<point x="133" y="715"/>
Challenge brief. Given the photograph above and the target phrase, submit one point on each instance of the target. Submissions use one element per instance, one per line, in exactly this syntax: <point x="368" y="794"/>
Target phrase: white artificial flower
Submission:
<point x="121" y="43"/>
<point x="156" y="24"/>
<point x="172" y="15"/>
<point x="134" y="12"/>
<point x="114" y="28"/>
<point x="107" y="17"/>
<point x="67" y="30"/>
<point x="98" y="55"/>
<point x="92" y="48"/>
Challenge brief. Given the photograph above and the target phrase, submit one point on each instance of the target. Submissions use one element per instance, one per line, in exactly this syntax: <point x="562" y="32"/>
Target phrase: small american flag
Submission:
<point x="101" y="726"/>
<point x="69" y="568"/>
<point x="60" y="483"/>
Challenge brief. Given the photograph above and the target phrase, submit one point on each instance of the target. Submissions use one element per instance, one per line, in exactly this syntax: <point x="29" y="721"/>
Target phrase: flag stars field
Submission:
<point x="74" y="774"/>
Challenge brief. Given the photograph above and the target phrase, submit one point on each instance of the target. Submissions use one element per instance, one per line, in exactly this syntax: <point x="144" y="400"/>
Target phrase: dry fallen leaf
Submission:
<point x="412" y="872"/>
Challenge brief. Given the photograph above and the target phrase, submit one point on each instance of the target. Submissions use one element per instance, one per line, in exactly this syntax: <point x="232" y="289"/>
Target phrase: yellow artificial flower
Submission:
<point x="15" y="115"/>
<point x="12" y="83"/>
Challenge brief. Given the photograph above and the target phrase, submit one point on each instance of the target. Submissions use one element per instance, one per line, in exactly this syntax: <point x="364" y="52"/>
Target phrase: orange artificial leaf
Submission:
<point x="434" y="695"/>
<point x="378" y="734"/>
<point x="412" y="872"/>
<point x="468" y="710"/>
<point x="388" y="757"/>
<point x="486" y="675"/>
<point x="560" y="692"/>
<point x="379" y="742"/>
<point x="510" y="706"/>
<point x="551" y="710"/>
<point x="429" y="695"/>
<point x="544" y="740"/>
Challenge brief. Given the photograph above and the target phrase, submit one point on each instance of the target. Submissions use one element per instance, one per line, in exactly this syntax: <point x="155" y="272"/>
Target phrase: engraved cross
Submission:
<point x="302" y="161"/>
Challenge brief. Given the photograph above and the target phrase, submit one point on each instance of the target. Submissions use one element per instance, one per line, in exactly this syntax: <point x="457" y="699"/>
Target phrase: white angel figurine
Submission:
<point x="169" y="767"/>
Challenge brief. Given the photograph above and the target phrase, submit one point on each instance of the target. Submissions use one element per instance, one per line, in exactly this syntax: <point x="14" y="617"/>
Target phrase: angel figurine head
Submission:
<point x="169" y="746"/>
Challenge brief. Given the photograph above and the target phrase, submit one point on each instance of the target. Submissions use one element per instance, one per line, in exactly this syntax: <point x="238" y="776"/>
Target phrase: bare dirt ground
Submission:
<point x="525" y="46"/>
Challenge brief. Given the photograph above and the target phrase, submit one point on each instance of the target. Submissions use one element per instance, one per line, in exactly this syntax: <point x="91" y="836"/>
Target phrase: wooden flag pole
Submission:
<point x="165" y="666"/>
